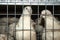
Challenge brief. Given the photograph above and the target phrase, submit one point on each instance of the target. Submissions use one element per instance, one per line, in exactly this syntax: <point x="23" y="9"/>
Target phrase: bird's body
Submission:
<point x="3" y="37"/>
<point x="24" y="28"/>
<point x="52" y="26"/>
<point x="12" y="29"/>
<point x="38" y="26"/>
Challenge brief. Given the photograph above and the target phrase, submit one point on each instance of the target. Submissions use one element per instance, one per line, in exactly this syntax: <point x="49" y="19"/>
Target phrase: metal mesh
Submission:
<point x="11" y="11"/>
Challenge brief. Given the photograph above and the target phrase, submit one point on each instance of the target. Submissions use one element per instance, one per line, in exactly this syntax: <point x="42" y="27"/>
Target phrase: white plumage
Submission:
<point x="3" y="37"/>
<point x="25" y="24"/>
<point x="50" y="23"/>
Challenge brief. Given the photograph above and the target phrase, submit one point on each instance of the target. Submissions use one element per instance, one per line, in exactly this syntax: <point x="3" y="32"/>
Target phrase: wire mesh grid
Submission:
<point x="28" y="2"/>
<point x="16" y="15"/>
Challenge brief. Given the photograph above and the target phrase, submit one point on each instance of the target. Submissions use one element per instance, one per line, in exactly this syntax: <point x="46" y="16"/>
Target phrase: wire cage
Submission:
<point x="12" y="10"/>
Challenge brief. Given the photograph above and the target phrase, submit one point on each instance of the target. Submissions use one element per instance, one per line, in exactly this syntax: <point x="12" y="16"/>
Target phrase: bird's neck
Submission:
<point x="26" y="12"/>
<point x="24" y="22"/>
